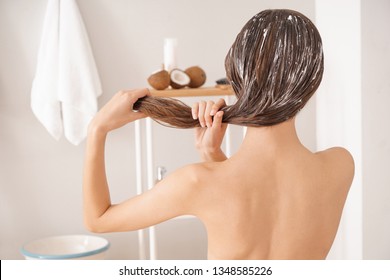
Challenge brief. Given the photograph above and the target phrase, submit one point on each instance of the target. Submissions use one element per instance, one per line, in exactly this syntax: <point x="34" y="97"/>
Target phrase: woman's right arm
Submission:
<point x="209" y="137"/>
<point x="177" y="194"/>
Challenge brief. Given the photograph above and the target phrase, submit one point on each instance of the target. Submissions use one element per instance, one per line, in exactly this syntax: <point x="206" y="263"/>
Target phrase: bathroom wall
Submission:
<point x="339" y="114"/>
<point x="376" y="129"/>
<point x="40" y="178"/>
<point x="352" y="111"/>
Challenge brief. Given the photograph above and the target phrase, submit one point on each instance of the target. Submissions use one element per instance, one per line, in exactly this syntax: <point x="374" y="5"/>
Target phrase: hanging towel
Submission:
<point x="66" y="85"/>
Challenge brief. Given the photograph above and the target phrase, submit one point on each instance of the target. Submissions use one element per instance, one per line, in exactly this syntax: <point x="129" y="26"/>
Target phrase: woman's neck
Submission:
<point x="271" y="140"/>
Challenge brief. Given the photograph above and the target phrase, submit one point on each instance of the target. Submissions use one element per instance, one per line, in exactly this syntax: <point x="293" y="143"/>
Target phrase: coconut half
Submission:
<point x="179" y="79"/>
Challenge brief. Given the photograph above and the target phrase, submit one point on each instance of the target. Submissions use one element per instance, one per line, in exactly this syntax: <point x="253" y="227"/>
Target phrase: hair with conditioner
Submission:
<point x="274" y="66"/>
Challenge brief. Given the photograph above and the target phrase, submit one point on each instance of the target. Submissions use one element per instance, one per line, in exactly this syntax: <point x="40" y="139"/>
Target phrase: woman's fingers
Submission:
<point x="204" y="111"/>
<point x="201" y="113"/>
<point x="207" y="114"/>
<point x="133" y="95"/>
<point x="195" y="111"/>
<point x="217" y="121"/>
<point x="217" y="105"/>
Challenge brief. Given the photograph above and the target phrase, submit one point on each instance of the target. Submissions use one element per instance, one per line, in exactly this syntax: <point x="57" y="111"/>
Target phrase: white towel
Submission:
<point x="66" y="85"/>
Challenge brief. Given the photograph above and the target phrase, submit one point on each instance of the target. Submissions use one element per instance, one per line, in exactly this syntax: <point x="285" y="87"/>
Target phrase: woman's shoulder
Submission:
<point x="195" y="173"/>
<point x="337" y="154"/>
<point x="199" y="171"/>
<point x="339" y="164"/>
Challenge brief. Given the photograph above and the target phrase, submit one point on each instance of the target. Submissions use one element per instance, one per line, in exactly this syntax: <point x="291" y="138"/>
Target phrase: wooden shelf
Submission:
<point x="191" y="92"/>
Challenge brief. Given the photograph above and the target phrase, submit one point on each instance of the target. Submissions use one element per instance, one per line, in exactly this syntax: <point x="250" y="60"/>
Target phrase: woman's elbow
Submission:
<point x="94" y="226"/>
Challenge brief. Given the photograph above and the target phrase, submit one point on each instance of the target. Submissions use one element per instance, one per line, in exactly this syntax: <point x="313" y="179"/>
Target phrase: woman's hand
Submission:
<point x="208" y="137"/>
<point x="119" y="110"/>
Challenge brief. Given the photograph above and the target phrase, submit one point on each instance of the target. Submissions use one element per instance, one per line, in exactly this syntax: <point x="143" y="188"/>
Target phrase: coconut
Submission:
<point x="179" y="79"/>
<point x="159" y="80"/>
<point x="197" y="76"/>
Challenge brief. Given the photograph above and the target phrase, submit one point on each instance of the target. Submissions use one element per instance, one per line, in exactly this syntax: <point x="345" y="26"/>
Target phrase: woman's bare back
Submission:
<point x="273" y="199"/>
<point x="284" y="206"/>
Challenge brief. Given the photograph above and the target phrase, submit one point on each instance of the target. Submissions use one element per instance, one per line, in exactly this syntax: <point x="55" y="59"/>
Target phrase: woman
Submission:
<point x="273" y="199"/>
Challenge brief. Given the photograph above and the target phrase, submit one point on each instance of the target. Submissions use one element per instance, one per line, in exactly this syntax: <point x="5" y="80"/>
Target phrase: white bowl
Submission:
<point x="66" y="247"/>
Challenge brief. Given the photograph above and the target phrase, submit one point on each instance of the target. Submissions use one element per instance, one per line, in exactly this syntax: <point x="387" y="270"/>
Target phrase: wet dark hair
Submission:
<point x="274" y="66"/>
